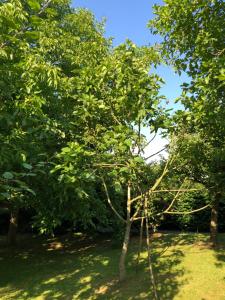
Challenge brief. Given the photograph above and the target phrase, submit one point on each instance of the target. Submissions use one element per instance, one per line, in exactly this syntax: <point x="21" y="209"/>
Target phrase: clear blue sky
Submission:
<point x="128" y="19"/>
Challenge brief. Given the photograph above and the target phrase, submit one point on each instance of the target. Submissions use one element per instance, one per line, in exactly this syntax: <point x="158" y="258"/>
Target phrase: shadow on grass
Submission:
<point x="88" y="269"/>
<point x="220" y="251"/>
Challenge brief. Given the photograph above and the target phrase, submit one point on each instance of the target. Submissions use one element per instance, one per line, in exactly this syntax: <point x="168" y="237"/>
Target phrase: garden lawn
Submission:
<point x="79" y="267"/>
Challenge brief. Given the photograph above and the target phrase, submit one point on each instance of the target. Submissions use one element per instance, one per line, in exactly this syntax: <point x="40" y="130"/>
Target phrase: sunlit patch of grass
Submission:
<point x="185" y="266"/>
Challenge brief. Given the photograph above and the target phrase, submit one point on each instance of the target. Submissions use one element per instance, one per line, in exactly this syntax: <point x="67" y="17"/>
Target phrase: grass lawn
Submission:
<point x="81" y="268"/>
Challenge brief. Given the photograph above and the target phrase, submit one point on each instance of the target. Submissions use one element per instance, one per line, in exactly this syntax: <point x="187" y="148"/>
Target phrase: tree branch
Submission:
<point x="186" y="212"/>
<point x="155" y="153"/>
<point x="152" y="139"/>
<point x="137" y="211"/>
<point x="44" y="6"/>
<point x="182" y="190"/>
<point x="110" y="203"/>
<point x="175" y="197"/>
<point x="105" y="165"/>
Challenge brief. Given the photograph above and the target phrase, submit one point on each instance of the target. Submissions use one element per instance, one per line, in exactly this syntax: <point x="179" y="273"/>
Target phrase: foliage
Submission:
<point x="193" y="42"/>
<point x="47" y="50"/>
<point x="117" y="106"/>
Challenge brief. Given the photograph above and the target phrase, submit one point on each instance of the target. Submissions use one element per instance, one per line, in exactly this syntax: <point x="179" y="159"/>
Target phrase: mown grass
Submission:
<point x="186" y="268"/>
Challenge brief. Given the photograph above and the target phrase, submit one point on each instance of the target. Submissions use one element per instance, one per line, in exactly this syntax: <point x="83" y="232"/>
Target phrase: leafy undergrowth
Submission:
<point x="84" y="268"/>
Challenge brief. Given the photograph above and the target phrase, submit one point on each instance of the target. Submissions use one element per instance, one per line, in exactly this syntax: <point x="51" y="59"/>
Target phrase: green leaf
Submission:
<point x="30" y="191"/>
<point x="5" y="195"/>
<point x="27" y="166"/>
<point x="23" y="156"/>
<point x="138" y="159"/>
<point x="32" y="35"/>
<point x="35" y="5"/>
<point x="8" y="175"/>
<point x="35" y="20"/>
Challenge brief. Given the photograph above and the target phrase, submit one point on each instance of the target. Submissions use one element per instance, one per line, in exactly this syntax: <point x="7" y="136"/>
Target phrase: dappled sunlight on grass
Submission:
<point x="84" y="268"/>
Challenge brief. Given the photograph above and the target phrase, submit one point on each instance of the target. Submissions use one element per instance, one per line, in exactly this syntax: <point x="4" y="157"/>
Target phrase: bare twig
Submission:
<point x="150" y="156"/>
<point x="137" y="211"/>
<point x="105" y="165"/>
<point x="151" y="140"/>
<point x="175" y="197"/>
<point x="110" y="203"/>
<point x="138" y="218"/>
<point x="186" y="212"/>
<point x="181" y="190"/>
<point x="157" y="182"/>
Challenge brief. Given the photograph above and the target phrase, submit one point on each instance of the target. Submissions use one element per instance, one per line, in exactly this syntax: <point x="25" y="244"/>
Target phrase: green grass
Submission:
<point x="185" y="266"/>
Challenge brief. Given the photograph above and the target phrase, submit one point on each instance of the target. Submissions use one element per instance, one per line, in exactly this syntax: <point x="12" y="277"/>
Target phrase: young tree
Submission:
<point x="122" y="99"/>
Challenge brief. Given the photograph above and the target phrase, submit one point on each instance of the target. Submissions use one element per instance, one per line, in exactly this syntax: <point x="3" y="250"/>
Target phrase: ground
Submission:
<point x="81" y="267"/>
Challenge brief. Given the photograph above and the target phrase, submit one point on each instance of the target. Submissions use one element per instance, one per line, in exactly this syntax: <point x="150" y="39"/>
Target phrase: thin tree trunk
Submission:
<point x="214" y="220"/>
<point x="149" y="254"/>
<point x="13" y="225"/>
<point x="140" y="243"/>
<point x="122" y="267"/>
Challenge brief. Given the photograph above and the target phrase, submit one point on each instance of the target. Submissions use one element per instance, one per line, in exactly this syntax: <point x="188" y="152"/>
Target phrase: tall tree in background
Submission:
<point x="193" y="42"/>
<point x="46" y="48"/>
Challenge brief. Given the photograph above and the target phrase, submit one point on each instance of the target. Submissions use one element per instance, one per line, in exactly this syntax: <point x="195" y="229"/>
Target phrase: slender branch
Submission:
<point x="139" y="136"/>
<point x="136" y="198"/>
<point x="148" y="143"/>
<point x="182" y="190"/>
<point x="155" y="153"/>
<point x="138" y="218"/>
<point x="151" y="272"/>
<point x="44" y="6"/>
<point x="165" y="171"/>
<point x="151" y="140"/>
<point x="175" y="197"/>
<point x="170" y="191"/>
<point x="129" y="219"/>
<point x="105" y="165"/>
<point x="110" y="203"/>
<point x="186" y="212"/>
<point x="158" y="181"/>
<point x="136" y="213"/>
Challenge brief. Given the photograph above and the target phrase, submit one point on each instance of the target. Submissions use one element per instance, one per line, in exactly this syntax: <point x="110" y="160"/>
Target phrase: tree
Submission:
<point x="193" y="42"/>
<point x="122" y="98"/>
<point x="46" y="48"/>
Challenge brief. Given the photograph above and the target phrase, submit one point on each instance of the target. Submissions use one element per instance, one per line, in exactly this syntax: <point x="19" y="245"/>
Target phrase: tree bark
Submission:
<point x="122" y="267"/>
<point x="13" y="224"/>
<point x="151" y="272"/>
<point x="140" y="244"/>
<point x="214" y="220"/>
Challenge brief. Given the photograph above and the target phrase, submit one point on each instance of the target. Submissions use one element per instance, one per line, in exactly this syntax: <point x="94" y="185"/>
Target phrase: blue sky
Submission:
<point x="128" y="19"/>
<point x="125" y="18"/>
